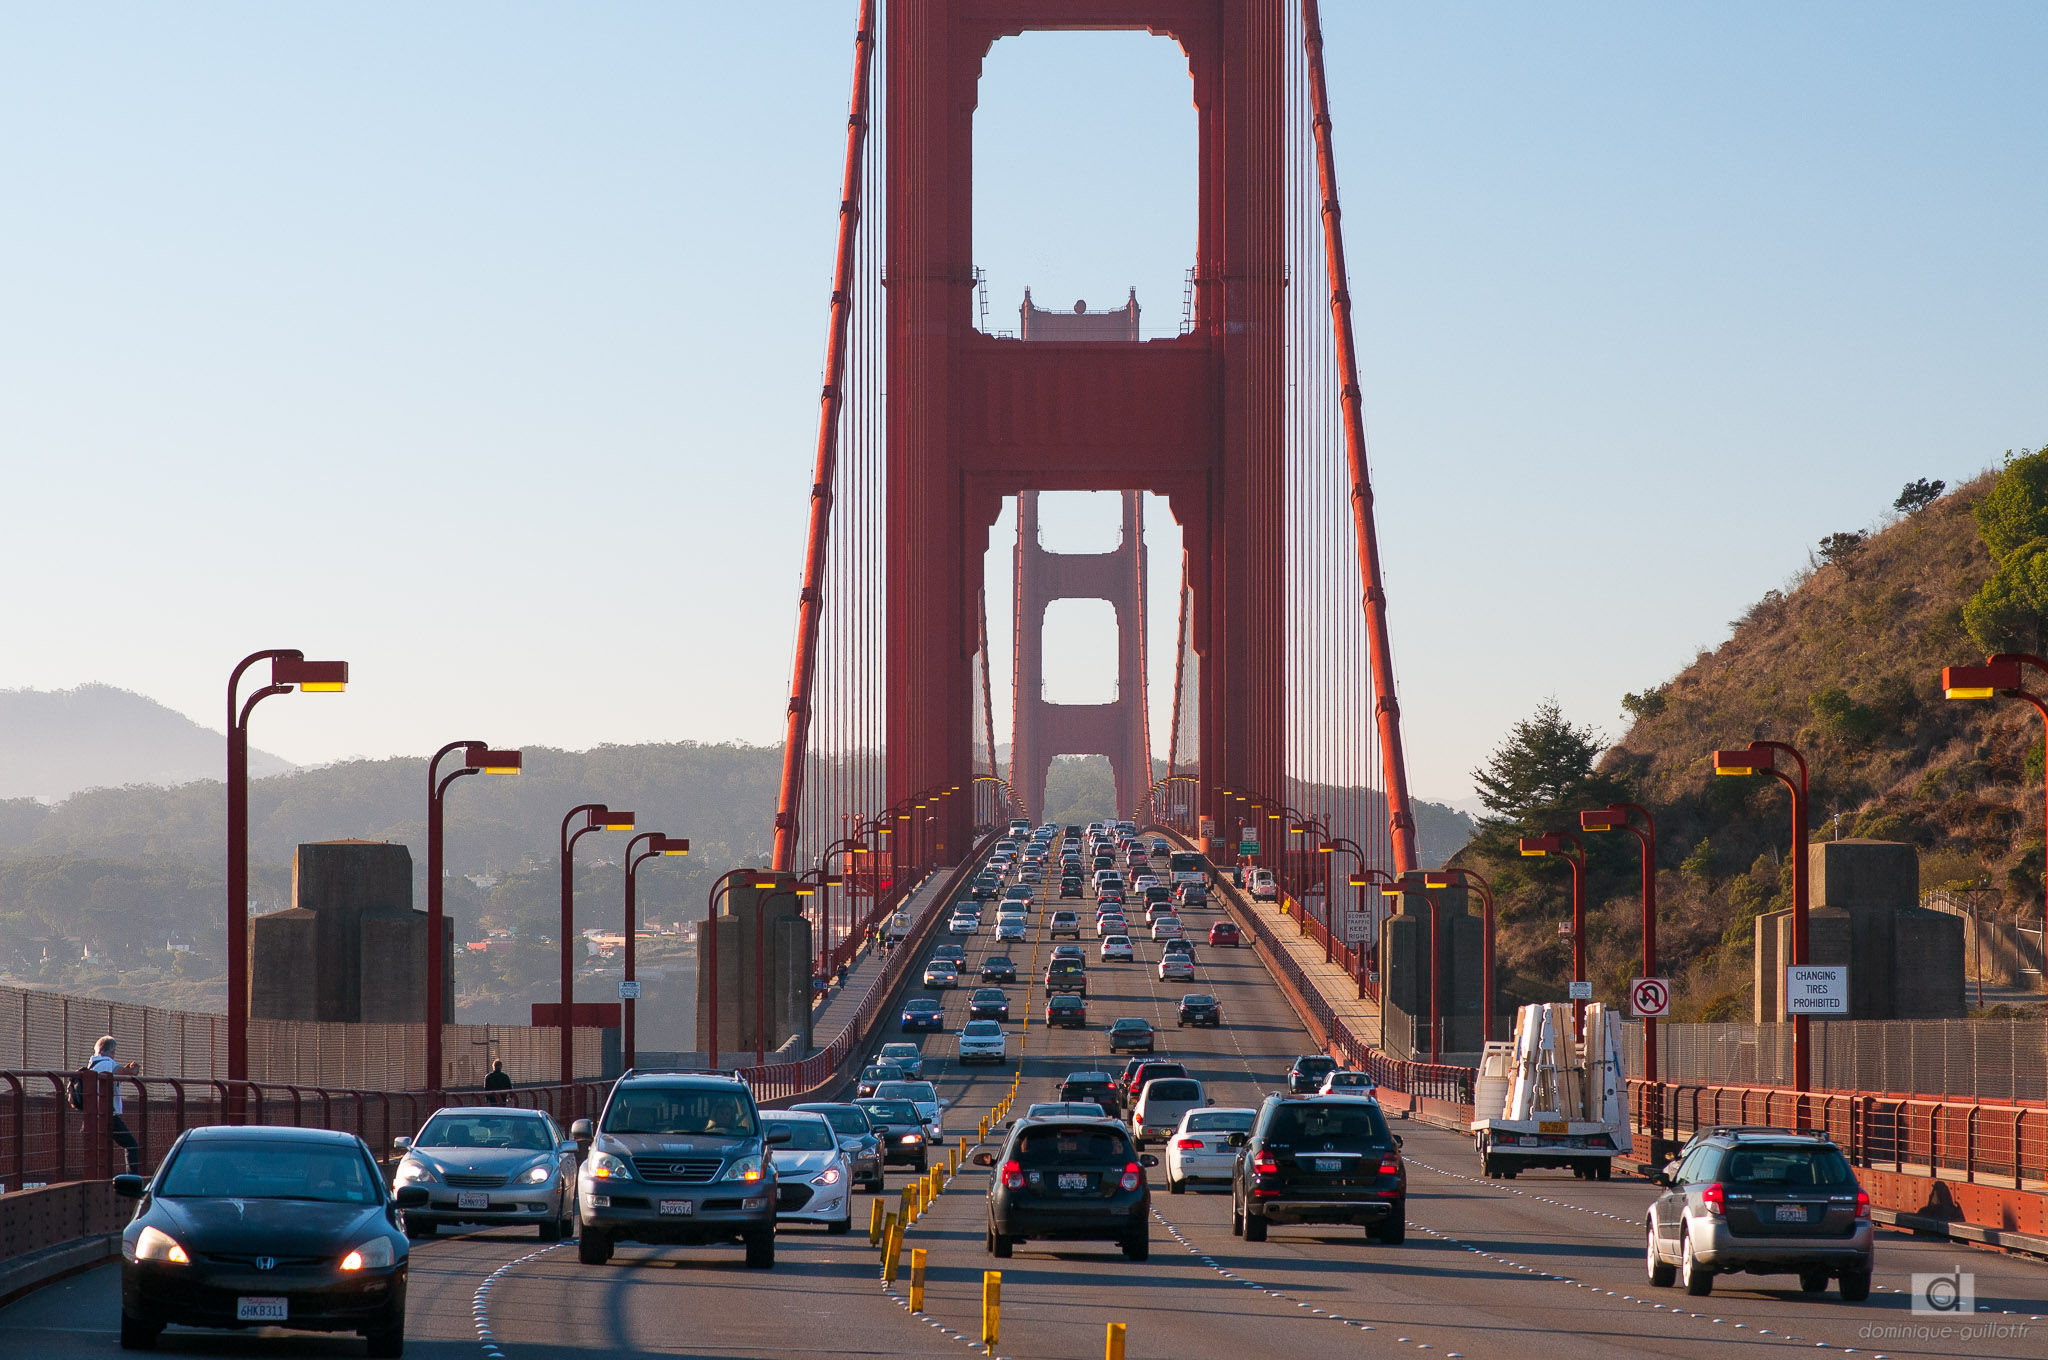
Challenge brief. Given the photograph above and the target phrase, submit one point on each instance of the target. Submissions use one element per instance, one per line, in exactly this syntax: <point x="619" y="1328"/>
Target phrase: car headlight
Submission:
<point x="602" y="1166"/>
<point x="539" y="1174"/>
<point x="411" y="1172"/>
<point x="745" y="1169"/>
<point x="829" y="1176"/>
<point x="913" y="1138"/>
<point x="153" y="1244"/>
<point x="372" y="1255"/>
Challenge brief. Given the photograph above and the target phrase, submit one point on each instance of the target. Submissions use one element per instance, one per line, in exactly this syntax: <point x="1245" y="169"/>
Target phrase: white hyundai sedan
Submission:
<point x="1199" y="1151"/>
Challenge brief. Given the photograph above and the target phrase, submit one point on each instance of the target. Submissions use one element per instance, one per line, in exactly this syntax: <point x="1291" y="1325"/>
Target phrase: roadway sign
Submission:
<point x="1650" y="998"/>
<point x="1582" y="991"/>
<point x="629" y="991"/>
<point x="1247" y="847"/>
<point x="1817" y="991"/>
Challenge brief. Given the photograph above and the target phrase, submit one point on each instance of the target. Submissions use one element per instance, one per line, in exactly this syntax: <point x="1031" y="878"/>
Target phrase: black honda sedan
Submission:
<point x="1069" y="1179"/>
<point x="250" y="1226"/>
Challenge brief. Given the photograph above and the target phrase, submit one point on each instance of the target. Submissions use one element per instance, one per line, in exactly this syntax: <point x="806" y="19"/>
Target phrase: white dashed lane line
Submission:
<point x="480" y="1303"/>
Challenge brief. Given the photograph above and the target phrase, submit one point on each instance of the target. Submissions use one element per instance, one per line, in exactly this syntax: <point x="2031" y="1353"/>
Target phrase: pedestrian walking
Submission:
<point x="498" y="1079"/>
<point x="103" y="1061"/>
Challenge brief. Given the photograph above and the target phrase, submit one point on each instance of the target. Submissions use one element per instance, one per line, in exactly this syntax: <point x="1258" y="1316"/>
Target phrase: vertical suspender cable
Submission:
<point x="1387" y="713"/>
<point x="796" y="737"/>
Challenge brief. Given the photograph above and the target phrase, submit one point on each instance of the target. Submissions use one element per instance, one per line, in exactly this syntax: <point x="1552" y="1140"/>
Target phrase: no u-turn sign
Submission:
<point x="1650" y="998"/>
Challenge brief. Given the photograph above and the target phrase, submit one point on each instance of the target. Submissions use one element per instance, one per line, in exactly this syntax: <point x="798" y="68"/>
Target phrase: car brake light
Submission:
<point x="1188" y="1144"/>
<point x="1013" y="1176"/>
<point x="1713" y="1198"/>
<point x="1133" y="1175"/>
<point x="1862" y="1204"/>
<point x="1390" y="1166"/>
<point x="1264" y="1164"/>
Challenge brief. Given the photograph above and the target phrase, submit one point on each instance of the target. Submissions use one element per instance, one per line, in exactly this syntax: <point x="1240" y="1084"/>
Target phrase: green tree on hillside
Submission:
<point x="1542" y="770"/>
<point x="2009" y="612"/>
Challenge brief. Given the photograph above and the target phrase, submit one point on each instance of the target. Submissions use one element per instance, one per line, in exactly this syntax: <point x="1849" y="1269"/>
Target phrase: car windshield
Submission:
<point x="1219" y="1121"/>
<point x="882" y="1073"/>
<point x="1351" y="1125"/>
<point x="805" y="1135"/>
<point x="891" y="1111"/>
<point x="335" y="1173"/>
<point x="990" y="994"/>
<point x="1173" y="1090"/>
<point x="982" y="1029"/>
<point x="505" y="1132"/>
<point x="680" y="1109"/>
<point x="1084" y="1145"/>
<point x="847" y="1120"/>
<point x="1792" y="1167"/>
<point x="898" y="1052"/>
<point x="923" y="1003"/>
<point x="908" y="1090"/>
<point x="998" y="962"/>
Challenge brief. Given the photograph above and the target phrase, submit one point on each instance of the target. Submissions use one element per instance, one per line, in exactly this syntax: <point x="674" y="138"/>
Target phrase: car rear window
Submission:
<point x="1066" y="1003"/>
<point x="1792" y="1167"/>
<point x="1173" y="1090"/>
<point x="1219" y="1121"/>
<point x="1353" y="1126"/>
<point x="1072" y="1146"/>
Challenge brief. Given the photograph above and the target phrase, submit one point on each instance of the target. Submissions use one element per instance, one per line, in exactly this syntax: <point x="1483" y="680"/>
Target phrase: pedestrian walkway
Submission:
<point x="845" y="1000"/>
<point x="1361" y="1015"/>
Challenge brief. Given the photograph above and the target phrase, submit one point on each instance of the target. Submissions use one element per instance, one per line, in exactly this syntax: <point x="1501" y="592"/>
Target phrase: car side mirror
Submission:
<point x="401" y="1145"/>
<point x="130" y="1187"/>
<point x="1147" y="1159"/>
<point x="411" y="1197"/>
<point x="1239" y="1139"/>
<point x="776" y="1137"/>
<point x="568" y="1145"/>
<point x="1210" y="1101"/>
<point x="1669" y="1175"/>
<point x="984" y="1159"/>
<point x="582" y="1132"/>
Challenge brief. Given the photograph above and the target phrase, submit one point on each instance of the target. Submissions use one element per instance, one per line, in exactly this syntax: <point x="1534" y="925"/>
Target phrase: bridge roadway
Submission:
<point x="1541" y="1268"/>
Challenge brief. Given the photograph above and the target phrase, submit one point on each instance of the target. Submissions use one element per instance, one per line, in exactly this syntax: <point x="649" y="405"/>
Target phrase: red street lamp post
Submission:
<point x="1314" y="828"/>
<point x="1620" y="817"/>
<point x="1436" y="976"/>
<point x="1449" y="878"/>
<point x="658" y="846"/>
<point x="1760" y="757"/>
<point x="1553" y="843"/>
<point x="596" y="817"/>
<point x="287" y="669"/>
<point x="477" y="758"/>
<point x="1999" y="675"/>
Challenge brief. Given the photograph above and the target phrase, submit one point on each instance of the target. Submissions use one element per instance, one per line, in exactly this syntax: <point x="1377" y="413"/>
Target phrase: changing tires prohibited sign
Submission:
<point x="1650" y="998"/>
<point x="1817" y="991"/>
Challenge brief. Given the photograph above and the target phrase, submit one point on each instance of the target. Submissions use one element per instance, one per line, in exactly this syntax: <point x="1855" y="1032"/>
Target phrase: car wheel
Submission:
<point x="1138" y="1246"/>
<point x="1813" y="1281"/>
<point x="841" y="1226"/>
<point x="419" y="1232"/>
<point x="761" y="1249"/>
<point x="1855" y="1286"/>
<point x="1001" y="1247"/>
<point x="1175" y="1185"/>
<point x="140" y="1333"/>
<point x="1697" y="1280"/>
<point x="594" y="1247"/>
<point x="1661" y="1275"/>
<point x="1604" y="1172"/>
<point x="551" y="1231"/>
<point x="1254" y="1227"/>
<point x="1394" y="1231"/>
<point x="386" y="1341"/>
<point x="1236" y="1219"/>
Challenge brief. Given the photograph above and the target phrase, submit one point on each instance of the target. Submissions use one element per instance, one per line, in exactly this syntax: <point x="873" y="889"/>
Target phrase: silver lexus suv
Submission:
<point x="677" y="1158"/>
<point x="1761" y="1202"/>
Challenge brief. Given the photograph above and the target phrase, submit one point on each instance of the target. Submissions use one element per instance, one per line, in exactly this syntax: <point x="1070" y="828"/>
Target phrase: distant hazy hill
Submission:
<point x="60" y="741"/>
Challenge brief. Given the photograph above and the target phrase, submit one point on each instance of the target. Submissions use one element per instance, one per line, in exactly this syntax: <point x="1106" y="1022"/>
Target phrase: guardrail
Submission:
<point x="44" y="1140"/>
<point x="1980" y="1141"/>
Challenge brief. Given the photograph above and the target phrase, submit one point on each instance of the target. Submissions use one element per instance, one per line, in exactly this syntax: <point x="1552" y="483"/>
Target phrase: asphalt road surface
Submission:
<point x="1542" y="1267"/>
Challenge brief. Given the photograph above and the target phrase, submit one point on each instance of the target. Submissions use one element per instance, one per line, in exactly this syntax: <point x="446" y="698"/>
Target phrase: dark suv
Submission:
<point x="1099" y="1087"/>
<point x="1761" y="1202"/>
<point x="1305" y="1078"/>
<point x="1321" y="1160"/>
<point x="677" y="1158"/>
<point x="1069" y="1179"/>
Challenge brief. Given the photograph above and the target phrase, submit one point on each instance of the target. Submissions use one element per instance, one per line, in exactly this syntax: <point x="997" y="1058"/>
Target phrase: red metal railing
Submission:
<point x="1899" y="1132"/>
<point x="1355" y="960"/>
<point x="43" y="1139"/>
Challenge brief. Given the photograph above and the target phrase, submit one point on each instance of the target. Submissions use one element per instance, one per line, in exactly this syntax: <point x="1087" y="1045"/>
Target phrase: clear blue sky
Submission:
<point x="479" y="344"/>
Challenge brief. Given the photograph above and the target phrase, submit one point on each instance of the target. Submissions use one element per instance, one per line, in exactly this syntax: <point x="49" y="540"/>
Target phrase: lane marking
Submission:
<point x="480" y="1302"/>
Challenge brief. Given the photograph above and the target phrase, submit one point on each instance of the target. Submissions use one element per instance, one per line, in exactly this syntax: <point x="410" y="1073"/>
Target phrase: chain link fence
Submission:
<point x="2005" y="1060"/>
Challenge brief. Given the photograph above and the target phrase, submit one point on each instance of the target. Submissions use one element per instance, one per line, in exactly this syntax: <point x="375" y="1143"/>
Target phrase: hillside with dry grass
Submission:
<point x="1845" y="664"/>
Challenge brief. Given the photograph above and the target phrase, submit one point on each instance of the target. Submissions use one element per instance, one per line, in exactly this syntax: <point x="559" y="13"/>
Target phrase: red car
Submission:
<point x="1223" y="932"/>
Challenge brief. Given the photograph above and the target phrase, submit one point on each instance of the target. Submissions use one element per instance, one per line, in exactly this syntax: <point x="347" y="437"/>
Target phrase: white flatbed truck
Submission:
<point x="1547" y="1100"/>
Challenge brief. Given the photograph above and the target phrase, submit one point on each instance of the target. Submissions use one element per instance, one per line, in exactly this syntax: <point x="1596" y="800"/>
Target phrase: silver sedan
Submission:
<point x="489" y="1165"/>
